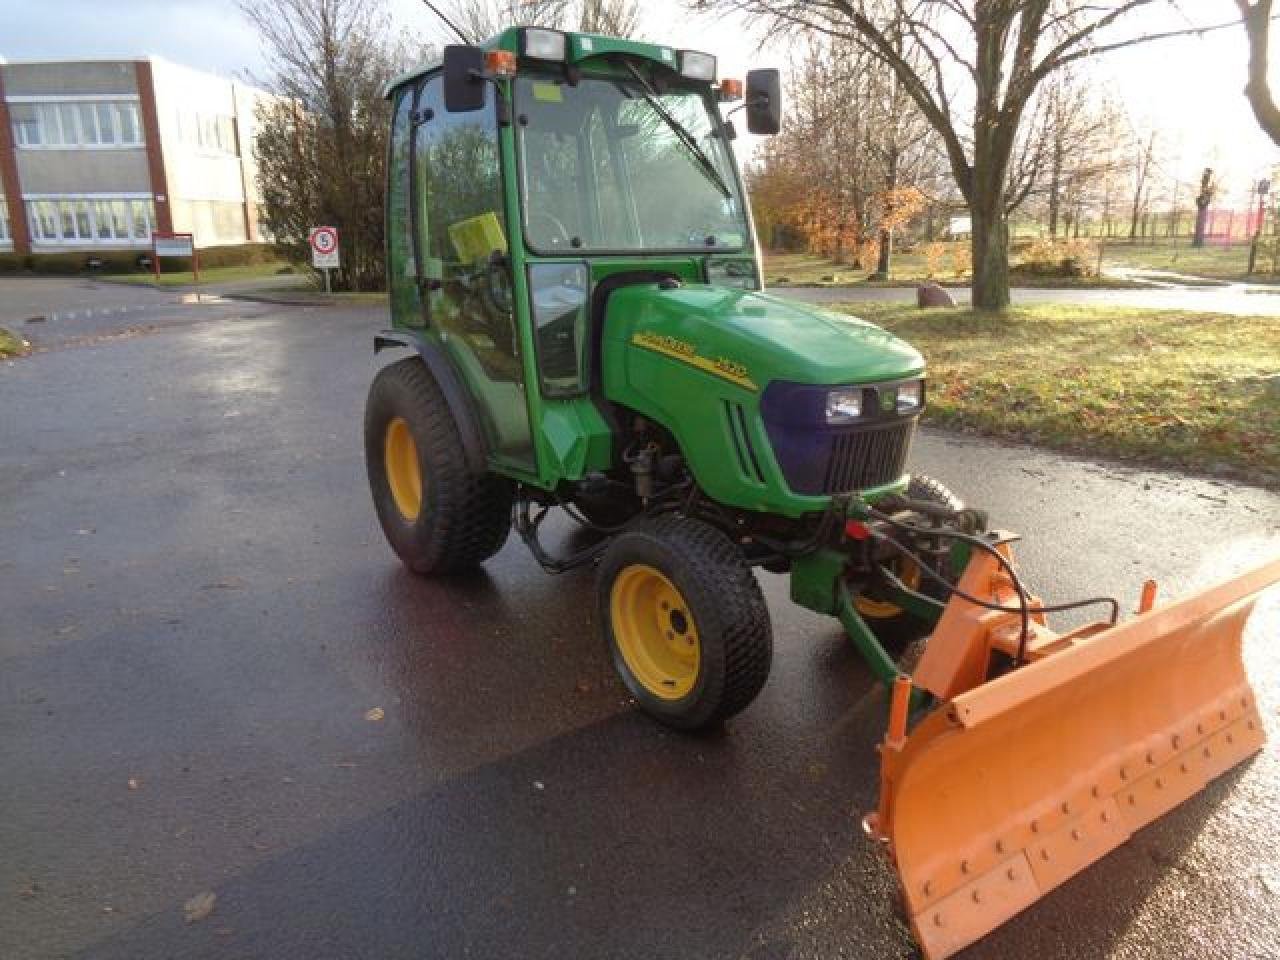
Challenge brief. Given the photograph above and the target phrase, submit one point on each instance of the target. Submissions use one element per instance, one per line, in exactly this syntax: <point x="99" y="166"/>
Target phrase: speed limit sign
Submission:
<point x="324" y="247"/>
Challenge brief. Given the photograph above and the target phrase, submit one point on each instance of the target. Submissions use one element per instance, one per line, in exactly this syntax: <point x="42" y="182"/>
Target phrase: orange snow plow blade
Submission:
<point x="1011" y="785"/>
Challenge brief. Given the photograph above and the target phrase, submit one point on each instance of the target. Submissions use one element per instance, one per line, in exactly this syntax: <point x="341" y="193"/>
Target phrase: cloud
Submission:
<point x="206" y="34"/>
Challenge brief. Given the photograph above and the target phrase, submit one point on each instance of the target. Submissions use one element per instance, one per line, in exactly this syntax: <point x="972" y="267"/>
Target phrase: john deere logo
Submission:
<point x="888" y="400"/>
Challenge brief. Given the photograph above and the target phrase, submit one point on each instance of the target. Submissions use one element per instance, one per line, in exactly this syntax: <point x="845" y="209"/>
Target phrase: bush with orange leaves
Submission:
<point x="1047" y="257"/>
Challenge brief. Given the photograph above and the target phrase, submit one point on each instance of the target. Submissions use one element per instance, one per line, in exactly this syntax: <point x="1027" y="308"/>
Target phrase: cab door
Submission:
<point x="463" y="263"/>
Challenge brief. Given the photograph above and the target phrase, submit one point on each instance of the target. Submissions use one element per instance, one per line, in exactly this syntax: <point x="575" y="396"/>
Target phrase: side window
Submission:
<point x="462" y="246"/>
<point x="558" y="292"/>
<point x="402" y="270"/>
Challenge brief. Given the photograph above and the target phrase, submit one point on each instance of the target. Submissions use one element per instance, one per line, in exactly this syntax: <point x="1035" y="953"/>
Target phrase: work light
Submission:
<point x="539" y="44"/>
<point x="697" y="66"/>
<point x="910" y="396"/>
<point x="844" y="405"/>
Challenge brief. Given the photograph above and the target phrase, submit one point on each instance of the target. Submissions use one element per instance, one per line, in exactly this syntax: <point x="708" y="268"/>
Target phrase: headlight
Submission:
<point x="844" y="405"/>
<point x="910" y="396"/>
<point x="542" y="44"/>
<point x="698" y="66"/>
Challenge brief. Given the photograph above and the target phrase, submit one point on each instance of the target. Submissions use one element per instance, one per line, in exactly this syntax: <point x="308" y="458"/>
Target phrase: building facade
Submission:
<point x="98" y="154"/>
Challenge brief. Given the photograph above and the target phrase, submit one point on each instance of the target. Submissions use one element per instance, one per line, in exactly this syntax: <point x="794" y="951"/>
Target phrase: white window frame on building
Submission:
<point x="6" y="235"/>
<point x="92" y="219"/>
<point x="86" y="122"/>
<point x="209" y="133"/>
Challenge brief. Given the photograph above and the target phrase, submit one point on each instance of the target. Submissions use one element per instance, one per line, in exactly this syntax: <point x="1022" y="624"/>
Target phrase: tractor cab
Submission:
<point x="531" y="177"/>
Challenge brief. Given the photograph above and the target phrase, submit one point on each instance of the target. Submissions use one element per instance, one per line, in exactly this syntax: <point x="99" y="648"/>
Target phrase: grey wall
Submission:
<point x="29" y="79"/>
<point x="84" y="171"/>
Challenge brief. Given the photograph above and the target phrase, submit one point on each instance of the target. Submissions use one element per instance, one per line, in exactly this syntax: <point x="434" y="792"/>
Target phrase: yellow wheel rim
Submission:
<point x="404" y="476"/>
<point x="908" y="572"/>
<point x="655" y="631"/>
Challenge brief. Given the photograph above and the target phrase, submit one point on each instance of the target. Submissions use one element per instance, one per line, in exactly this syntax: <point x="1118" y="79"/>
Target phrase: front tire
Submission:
<point x="893" y="626"/>
<point x="438" y="516"/>
<point x="684" y="620"/>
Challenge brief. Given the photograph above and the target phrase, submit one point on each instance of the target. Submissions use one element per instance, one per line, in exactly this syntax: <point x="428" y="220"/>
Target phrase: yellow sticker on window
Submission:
<point x="547" y="92"/>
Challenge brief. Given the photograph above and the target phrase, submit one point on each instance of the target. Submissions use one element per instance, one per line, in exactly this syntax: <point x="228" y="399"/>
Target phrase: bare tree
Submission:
<point x="481" y="19"/>
<point x="845" y="173"/>
<point x="321" y="147"/>
<point x="982" y="61"/>
<point x="1144" y="161"/>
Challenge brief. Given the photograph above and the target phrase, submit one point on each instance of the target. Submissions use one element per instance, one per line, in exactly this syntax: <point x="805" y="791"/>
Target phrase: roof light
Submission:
<point x="500" y="63"/>
<point x="730" y="89"/>
<point x="697" y="66"/>
<point x="540" y="44"/>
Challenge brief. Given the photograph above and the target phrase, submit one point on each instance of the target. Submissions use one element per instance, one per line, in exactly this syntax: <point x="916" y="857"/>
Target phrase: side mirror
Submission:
<point x="463" y="84"/>
<point x="764" y="102"/>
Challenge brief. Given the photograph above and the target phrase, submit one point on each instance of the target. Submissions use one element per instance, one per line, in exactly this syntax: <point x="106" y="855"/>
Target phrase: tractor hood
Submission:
<point x="757" y="338"/>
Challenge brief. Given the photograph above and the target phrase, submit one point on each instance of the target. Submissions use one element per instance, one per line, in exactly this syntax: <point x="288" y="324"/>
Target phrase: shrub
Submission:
<point x="71" y="262"/>
<point x="1059" y="258"/>
<point x="933" y="254"/>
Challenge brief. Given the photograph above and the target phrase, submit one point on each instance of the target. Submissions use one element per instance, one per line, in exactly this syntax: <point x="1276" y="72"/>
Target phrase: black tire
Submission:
<point x="726" y="614"/>
<point x="899" y="630"/>
<point x="462" y="518"/>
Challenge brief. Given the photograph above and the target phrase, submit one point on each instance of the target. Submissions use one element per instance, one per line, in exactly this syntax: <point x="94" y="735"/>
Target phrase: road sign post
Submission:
<point x="174" y="245"/>
<point x="324" y="251"/>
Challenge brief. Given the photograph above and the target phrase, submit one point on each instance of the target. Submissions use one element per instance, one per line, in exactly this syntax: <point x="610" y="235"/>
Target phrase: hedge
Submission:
<point x="125" y="261"/>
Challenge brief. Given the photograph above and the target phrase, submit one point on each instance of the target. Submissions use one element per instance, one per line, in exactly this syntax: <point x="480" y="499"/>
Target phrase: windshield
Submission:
<point x="613" y="165"/>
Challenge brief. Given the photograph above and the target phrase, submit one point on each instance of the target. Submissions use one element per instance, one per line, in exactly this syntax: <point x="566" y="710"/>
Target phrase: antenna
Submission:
<point x="449" y="23"/>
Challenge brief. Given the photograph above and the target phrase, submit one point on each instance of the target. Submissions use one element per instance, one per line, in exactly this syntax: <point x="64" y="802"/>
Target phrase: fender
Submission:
<point x="461" y="406"/>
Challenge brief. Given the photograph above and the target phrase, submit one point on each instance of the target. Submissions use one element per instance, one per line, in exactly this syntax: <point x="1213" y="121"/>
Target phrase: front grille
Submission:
<point x="868" y="457"/>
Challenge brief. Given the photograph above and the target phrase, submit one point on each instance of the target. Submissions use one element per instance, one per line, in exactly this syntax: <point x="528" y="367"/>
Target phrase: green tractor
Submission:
<point x="574" y="271"/>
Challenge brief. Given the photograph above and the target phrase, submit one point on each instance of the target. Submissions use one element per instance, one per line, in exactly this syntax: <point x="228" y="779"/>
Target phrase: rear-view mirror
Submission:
<point x="463" y="78"/>
<point x="764" y="102"/>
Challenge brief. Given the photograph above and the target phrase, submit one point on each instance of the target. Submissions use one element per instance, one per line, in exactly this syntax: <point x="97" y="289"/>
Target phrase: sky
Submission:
<point x="1189" y="89"/>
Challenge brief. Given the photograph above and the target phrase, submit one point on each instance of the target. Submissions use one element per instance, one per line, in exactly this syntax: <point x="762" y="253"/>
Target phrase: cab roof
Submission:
<point x="579" y="47"/>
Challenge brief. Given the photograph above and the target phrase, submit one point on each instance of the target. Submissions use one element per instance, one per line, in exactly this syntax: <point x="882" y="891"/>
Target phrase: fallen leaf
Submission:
<point x="199" y="906"/>
<point x="374" y="714"/>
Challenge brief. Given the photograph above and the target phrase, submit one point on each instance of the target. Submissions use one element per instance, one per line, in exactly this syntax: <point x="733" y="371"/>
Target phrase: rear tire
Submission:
<point x="895" y="628"/>
<point x="684" y="620"/>
<point x="438" y="516"/>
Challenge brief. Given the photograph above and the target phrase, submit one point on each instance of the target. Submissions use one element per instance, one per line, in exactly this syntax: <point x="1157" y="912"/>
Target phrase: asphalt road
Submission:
<point x="199" y="615"/>
<point x="1238" y="298"/>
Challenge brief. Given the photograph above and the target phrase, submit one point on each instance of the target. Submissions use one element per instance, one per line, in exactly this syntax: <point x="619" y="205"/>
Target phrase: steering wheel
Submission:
<point x="565" y="238"/>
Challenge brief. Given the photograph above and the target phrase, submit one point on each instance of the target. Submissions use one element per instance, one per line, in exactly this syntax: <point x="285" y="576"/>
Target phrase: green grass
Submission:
<point x="1174" y="388"/>
<point x="251" y="271"/>
<point x="807" y="269"/>
<point x="11" y="345"/>
<point x="1178" y="256"/>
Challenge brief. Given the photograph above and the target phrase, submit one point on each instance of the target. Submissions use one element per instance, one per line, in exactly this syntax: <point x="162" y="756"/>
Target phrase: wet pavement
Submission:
<point x="51" y="312"/>
<point x="1253" y="300"/>
<point x="215" y="677"/>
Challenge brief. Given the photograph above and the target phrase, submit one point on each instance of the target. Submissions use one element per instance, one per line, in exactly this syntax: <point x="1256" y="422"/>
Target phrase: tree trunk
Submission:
<point x="1257" y="21"/>
<point x="990" y="286"/>
<point x="886" y="231"/>
<point x="886" y="252"/>
<point x="1055" y="185"/>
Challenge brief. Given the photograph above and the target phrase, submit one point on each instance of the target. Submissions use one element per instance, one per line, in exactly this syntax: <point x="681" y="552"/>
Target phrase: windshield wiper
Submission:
<point x="682" y="133"/>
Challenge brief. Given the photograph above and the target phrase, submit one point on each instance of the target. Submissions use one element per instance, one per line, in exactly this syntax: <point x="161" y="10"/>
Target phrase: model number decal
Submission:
<point x="722" y="367"/>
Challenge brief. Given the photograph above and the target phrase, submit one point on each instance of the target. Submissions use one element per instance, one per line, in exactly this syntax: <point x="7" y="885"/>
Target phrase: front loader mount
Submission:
<point x="1017" y="756"/>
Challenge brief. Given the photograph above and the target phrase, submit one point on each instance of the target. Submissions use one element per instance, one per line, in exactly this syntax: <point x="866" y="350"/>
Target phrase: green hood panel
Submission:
<point x="761" y="337"/>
